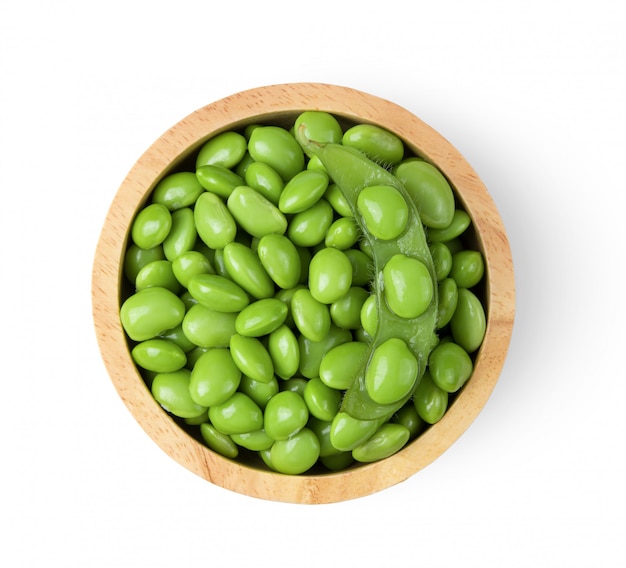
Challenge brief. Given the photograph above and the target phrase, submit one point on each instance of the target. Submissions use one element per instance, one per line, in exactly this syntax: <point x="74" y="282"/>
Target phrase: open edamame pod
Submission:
<point x="353" y="172"/>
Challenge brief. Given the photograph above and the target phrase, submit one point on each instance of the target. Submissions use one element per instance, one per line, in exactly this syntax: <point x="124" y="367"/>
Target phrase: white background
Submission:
<point x="531" y="92"/>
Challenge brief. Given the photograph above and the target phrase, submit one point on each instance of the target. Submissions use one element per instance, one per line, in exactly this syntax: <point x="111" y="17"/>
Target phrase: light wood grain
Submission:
<point x="281" y="103"/>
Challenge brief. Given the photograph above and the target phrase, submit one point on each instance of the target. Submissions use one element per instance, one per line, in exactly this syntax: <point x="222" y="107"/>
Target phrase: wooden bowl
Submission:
<point x="280" y="104"/>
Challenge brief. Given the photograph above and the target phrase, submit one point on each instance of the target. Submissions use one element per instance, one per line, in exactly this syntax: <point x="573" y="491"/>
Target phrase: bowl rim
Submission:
<point x="268" y="104"/>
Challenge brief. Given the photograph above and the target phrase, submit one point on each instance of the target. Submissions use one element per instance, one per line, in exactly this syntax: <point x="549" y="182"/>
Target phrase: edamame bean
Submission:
<point x="408" y="286"/>
<point x="265" y="180"/>
<point x="171" y="391"/>
<point x="157" y="273"/>
<point x="261" y="317"/>
<point x="311" y="317"/>
<point x="442" y="259"/>
<point x="408" y="417"/>
<point x="448" y="295"/>
<point x="284" y="350"/>
<point x="214" y="378"/>
<point x="218" y="442"/>
<point x="136" y="258"/>
<point x="468" y="324"/>
<point x="312" y="352"/>
<point x="346" y="312"/>
<point x="392" y="372"/>
<point x="450" y="366"/>
<point x="362" y="267"/>
<point x="342" y="234"/>
<point x="218" y="179"/>
<point x="468" y="268"/>
<point x="208" y="328"/>
<point x="182" y="236"/>
<point x="277" y="148"/>
<point x="384" y="210"/>
<point x="214" y="223"/>
<point x="258" y="391"/>
<point x="340" y="365"/>
<point x="254" y="213"/>
<point x="159" y="355"/>
<point x="226" y="149"/>
<point x="252" y="358"/>
<point x="321" y="127"/>
<point x="151" y="226"/>
<point x="431" y="401"/>
<point x="321" y="429"/>
<point x="428" y="187"/>
<point x="190" y="264"/>
<point x="330" y="275"/>
<point x="296" y="455"/>
<point x="303" y="191"/>
<point x="337" y="200"/>
<point x="388" y="440"/>
<point x="245" y="268"/>
<point x="285" y="415"/>
<point x="308" y="228"/>
<point x="460" y="221"/>
<point x="369" y="315"/>
<point x="254" y="441"/>
<point x="177" y="190"/>
<point x="238" y="415"/>
<point x="150" y="312"/>
<point x="377" y="143"/>
<point x="322" y="401"/>
<point x="281" y="260"/>
<point x="218" y="293"/>
<point x="346" y="432"/>
<point x="177" y="336"/>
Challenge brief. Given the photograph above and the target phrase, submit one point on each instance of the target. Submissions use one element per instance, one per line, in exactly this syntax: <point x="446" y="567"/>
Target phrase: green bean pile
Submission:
<point x="307" y="297"/>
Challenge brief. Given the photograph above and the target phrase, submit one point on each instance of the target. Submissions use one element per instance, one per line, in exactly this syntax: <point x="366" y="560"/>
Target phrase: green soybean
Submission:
<point x="150" y="312"/>
<point x="341" y="364"/>
<point x="177" y="190"/>
<point x="190" y="264"/>
<point x="135" y="258"/>
<point x="346" y="311"/>
<point x="260" y="392"/>
<point x="214" y="378"/>
<point x="450" y="366"/>
<point x="281" y="260"/>
<point x="392" y="372"/>
<point x="312" y="352"/>
<point x="322" y="127"/>
<point x="442" y="259"/>
<point x="378" y="143"/>
<point x="157" y="273"/>
<point x="460" y="222"/>
<point x="264" y="179"/>
<point x="276" y="147"/>
<point x="384" y="211"/>
<point x="448" y="294"/>
<point x="322" y="401"/>
<point x="254" y="213"/>
<point x="218" y="179"/>
<point x="245" y="268"/>
<point x="347" y="432"/>
<point x="342" y="234"/>
<point x="226" y="149"/>
<point x="208" y="328"/>
<point x="408" y="286"/>
<point x="218" y="293"/>
<point x="388" y="440"/>
<point x="286" y="414"/>
<point x="159" y="355"/>
<point x="309" y="228"/>
<point x="218" y="442"/>
<point x="311" y="317"/>
<point x="428" y="187"/>
<point x="214" y="223"/>
<point x="468" y="268"/>
<point x="151" y="226"/>
<point x="302" y="191"/>
<point x="171" y="391"/>
<point x="252" y="358"/>
<point x="284" y="350"/>
<point x="183" y="234"/>
<point x="297" y="454"/>
<point x="330" y="275"/>
<point x="431" y="401"/>
<point x="237" y="415"/>
<point x="255" y="441"/>
<point x="261" y="317"/>
<point x="468" y="324"/>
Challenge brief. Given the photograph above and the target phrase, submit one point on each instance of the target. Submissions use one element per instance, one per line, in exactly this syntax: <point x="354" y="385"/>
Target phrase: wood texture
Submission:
<point x="281" y="103"/>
